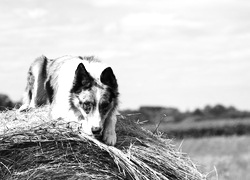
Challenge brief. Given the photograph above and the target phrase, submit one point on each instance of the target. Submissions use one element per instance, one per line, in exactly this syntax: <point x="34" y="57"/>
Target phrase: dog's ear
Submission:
<point x="82" y="79"/>
<point x="108" y="78"/>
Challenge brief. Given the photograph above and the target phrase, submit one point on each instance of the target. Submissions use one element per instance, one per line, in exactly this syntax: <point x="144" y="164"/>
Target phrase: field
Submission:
<point x="204" y="128"/>
<point x="229" y="155"/>
<point x="221" y="147"/>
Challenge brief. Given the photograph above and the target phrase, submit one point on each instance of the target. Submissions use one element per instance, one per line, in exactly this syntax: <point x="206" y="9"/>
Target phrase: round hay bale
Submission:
<point x="35" y="147"/>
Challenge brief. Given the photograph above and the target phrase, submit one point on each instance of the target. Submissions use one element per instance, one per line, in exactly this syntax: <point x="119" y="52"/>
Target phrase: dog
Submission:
<point x="77" y="89"/>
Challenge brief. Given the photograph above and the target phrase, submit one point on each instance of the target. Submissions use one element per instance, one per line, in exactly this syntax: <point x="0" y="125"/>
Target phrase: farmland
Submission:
<point x="221" y="147"/>
<point x="229" y="155"/>
<point x="204" y="128"/>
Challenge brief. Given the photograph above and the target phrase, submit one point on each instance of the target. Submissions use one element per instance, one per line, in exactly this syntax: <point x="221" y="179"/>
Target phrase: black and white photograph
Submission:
<point x="124" y="90"/>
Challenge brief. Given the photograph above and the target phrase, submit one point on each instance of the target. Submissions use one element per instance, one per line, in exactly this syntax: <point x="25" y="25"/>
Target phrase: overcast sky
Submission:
<point x="183" y="54"/>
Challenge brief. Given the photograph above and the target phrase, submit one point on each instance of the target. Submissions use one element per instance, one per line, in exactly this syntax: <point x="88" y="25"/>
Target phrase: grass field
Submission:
<point x="229" y="155"/>
<point x="205" y="128"/>
<point x="221" y="147"/>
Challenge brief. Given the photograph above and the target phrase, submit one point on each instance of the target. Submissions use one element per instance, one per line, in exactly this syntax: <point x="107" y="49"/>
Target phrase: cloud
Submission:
<point x="112" y="3"/>
<point x="154" y="20"/>
<point x="36" y="13"/>
<point x="109" y="54"/>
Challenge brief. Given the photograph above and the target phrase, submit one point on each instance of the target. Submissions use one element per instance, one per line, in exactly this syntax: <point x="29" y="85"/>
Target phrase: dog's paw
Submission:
<point x="109" y="138"/>
<point x="24" y="108"/>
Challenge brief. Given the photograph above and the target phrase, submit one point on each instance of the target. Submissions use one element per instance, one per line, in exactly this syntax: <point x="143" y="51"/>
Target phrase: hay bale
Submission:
<point x="34" y="147"/>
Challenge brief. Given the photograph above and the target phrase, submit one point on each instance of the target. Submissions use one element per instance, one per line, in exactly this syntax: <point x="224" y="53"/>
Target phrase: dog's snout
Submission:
<point x="96" y="130"/>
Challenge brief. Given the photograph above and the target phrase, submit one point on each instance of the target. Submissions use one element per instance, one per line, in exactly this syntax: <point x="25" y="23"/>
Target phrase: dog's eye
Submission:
<point x="87" y="106"/>
<point x="104" y="105"/>
<point x="78" y="91"/>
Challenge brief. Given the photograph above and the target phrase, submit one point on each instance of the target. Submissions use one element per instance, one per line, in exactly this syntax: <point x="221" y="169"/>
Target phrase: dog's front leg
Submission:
<point x="109" y="134"/>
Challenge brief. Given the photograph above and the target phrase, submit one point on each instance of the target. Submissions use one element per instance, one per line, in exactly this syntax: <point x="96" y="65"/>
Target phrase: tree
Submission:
<point x="198" y="112"/>
<point x="218" y="110"/>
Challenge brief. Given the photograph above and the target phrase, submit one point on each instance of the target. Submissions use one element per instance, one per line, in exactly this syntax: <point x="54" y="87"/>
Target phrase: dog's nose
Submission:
<point x="96" y="130"/>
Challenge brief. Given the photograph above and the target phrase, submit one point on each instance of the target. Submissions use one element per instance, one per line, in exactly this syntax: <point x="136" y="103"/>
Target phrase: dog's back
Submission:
<point x="35" y="94"/>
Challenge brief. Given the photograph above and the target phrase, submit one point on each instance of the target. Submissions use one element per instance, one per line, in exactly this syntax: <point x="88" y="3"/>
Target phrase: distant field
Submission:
<point x="205" y="128"/>
<point x="223" y="145"/>
<point x="229" y="155"/>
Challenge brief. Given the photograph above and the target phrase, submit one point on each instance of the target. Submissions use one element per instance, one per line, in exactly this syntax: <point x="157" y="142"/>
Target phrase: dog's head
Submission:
<point x="93" y="100"/>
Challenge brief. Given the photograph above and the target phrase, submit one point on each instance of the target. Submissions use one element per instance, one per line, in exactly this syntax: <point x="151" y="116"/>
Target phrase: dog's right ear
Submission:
<point x="108" y="78"/>
<point x="82" y="80"/>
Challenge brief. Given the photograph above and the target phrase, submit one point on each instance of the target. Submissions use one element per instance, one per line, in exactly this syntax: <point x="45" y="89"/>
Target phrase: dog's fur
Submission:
<point x="78" y="89"/>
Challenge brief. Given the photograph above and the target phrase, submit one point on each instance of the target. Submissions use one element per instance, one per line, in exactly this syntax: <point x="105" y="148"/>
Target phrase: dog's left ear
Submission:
<point x="108" y="78"/>
<point x="82" y="79"/>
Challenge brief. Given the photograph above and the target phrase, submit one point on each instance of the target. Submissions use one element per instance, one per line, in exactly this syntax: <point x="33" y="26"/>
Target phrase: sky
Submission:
<point x="183" y="54"/>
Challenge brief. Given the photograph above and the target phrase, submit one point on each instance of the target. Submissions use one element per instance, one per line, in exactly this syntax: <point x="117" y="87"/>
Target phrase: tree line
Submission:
<point x="154" y="114"/>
